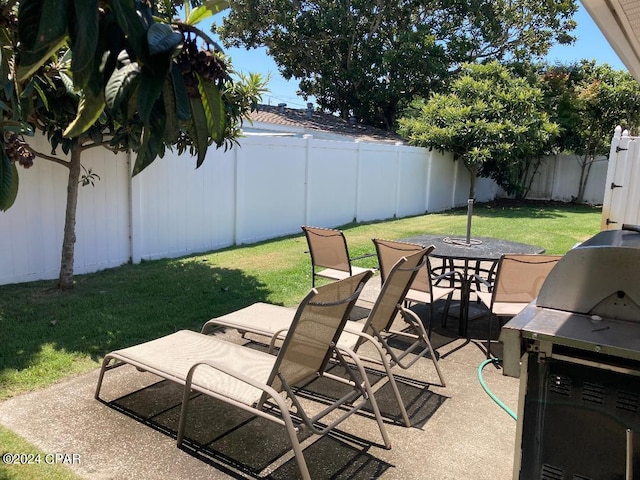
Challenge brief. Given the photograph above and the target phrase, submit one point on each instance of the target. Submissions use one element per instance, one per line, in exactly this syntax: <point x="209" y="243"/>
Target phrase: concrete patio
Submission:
<point x="458" y="431"/>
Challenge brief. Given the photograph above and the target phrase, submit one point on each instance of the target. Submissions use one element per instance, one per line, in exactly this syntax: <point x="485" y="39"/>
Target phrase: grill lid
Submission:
<point x="595" y="280"/>
<point x="590" y="301"/>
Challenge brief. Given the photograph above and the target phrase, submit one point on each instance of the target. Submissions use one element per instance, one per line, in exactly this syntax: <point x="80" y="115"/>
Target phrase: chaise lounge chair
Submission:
<point x="272" y="321"/>
<point x="254" y="380"/>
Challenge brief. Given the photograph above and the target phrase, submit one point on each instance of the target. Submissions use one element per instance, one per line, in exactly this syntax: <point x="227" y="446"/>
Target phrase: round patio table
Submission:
<point x="479" y="257"/>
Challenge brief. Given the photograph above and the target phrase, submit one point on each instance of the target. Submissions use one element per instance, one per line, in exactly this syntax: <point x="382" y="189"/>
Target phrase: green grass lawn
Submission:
<point x="48" y="335"/>
<point x="39" y="466"/>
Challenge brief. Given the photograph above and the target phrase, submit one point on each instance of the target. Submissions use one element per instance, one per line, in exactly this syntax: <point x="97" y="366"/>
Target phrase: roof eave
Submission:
<point x="613" y="22"/>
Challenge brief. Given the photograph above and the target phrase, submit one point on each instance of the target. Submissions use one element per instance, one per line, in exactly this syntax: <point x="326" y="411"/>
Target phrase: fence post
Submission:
<point x="555" y="179"/>
<point x="235" y="194"/>
<point x="135" y="218"/>
<point x="398" y="146"/>
<point x="356" y="215"/>
<point x="429" y="159"/>
<point x="307" y="179"/>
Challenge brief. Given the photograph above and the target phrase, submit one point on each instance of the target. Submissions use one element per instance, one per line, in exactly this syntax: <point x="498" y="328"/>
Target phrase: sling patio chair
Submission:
<point x="273" y="321"/>
<point x="517" y="283"/>
<point x="260" y="382"/>
<point x="329" y="252"/>
<point x="424" y="288"/>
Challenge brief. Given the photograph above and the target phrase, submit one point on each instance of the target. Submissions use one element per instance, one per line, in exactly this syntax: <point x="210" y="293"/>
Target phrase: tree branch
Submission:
<point x="104" y="144"/>
<point x="44" y="156"/>
<point x="190" y="28"/>
<point x="375" y="26"/>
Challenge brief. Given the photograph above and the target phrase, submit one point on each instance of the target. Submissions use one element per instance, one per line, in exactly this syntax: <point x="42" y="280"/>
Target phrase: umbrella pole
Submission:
<point x="469" y="214"/>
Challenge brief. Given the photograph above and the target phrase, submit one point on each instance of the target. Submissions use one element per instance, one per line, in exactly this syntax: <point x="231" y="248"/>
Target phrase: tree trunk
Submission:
<point x="585" y="169"/>
<point x="528" y="179"/>
<point x="65" y="280"/>
<point x="473" y="173"/>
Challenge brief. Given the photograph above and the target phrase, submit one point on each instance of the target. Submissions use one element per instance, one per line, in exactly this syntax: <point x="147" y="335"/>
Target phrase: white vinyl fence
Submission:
<point x="558" y="179"/>
<point x="32" y="228"/>
<point x="622" y="186"/>
<point x="268" y="187"/>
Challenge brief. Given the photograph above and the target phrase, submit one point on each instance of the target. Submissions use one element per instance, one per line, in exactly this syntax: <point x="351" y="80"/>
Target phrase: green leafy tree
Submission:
<point x="364" y="58"/>
<point x="588" y="101"/>
<point x="10" y="122"/>
<point x="120" y="74"/>
<point x="490" y="120"/>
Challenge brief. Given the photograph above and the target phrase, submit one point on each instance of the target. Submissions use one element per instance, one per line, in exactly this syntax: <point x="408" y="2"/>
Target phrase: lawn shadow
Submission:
<point x="116" y="308"/>
<point x="539" y="209"/>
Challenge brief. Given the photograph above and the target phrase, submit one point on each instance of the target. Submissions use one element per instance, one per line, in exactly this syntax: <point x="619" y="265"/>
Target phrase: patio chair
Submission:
<point x="260" y="382"/>
<point x="272" y="321"/>
<point x="424" y="288"/>
<point x="328" y="250"/>
<point x="517" y="282"/>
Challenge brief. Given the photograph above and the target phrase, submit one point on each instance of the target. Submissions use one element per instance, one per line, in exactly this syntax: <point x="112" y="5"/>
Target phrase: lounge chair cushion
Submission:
<point x="173" y="355"/>
<point x="340" y="274"/>
<point x="268" y="319"/>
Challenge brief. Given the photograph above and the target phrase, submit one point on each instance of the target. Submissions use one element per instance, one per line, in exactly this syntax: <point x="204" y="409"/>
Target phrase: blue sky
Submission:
<point x="590" y="44"/>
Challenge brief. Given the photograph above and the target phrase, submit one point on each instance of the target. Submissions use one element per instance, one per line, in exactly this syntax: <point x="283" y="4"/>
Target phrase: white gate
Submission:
<point x="621" y="204"/>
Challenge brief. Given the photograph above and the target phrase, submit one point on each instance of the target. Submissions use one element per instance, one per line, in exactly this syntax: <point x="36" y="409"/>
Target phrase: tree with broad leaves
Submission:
<point x="588" y="101"/>
<point x="489" y="119"/>
<point x="367" y="58"/>
<point x="126" y="75"/>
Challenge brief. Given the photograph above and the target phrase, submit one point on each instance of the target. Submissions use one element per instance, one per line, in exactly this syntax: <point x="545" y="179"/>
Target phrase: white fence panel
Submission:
<point x="267" y="187"/>
<point x="622" y="189"/>
<point x="612" y="200"/>
<point x="377" y="182"/>
<point x="32" y="228"/>
<point x="594" y="192"/>
<point x="332" y="182"/>
<point x="442" y="177"/>
<point x="558" y="178"/>
<point x="486" y="190"/>
<point x="460" y="187"/>
<point x="412" y="182"/>
<point x="178" y="209"/>
<point x="568" y="176"/>
<point x="542" y="185"/>
<point x="102" y="224"/>
<point x="34" y="225"/>
<point x="270" y="188"/>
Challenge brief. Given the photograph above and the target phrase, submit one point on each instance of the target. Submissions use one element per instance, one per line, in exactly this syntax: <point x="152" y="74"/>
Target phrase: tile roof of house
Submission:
<point x="323" y="122"/>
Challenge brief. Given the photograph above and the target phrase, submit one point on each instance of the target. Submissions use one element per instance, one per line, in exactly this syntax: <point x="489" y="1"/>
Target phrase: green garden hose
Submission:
<point x="489" y="392"/>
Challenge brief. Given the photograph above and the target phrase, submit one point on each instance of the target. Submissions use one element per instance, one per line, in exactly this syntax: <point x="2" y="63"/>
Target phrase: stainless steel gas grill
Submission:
<point x="576" y="350"/>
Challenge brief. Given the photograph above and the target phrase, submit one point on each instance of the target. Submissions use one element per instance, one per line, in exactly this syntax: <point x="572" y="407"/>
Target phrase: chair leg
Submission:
<point x="384" y="361"/>
<point x="100" y="378"/>
<point x="370" y="396"/>
<point x="445" y="312"/>
<point x="287" y="422"/>
<point x="394" y="386"/>
<point x="412" y="319"/>
<point x="431" y="313"/>
<point x="491" y="317"/>
<point x="434" y="359"/>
